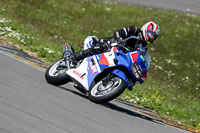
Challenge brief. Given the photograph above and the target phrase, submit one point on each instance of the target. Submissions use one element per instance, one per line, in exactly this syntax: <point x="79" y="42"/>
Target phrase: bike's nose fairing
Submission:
<point x="142" y="60"/>
<point x="136" y="62"/>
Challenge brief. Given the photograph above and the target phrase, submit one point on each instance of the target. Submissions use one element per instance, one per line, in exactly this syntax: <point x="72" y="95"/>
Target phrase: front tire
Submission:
<point x="56" y="73"/>
<point x="101" y="93"/>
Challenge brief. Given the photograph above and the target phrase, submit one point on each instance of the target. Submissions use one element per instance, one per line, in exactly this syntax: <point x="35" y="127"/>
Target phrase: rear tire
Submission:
<point x="102" y="94"/>
<point x="56" y="73"/>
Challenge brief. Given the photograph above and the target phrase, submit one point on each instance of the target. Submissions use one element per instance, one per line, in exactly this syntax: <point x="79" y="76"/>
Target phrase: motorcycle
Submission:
<point x="103" y="77"/>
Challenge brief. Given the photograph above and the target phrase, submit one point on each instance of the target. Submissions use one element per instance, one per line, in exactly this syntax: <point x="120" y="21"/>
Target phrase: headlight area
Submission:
<point x="136" y="71"/>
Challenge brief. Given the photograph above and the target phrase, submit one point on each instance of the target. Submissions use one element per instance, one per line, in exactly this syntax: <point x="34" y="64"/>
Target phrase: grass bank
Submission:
<point x="172" y="88"/>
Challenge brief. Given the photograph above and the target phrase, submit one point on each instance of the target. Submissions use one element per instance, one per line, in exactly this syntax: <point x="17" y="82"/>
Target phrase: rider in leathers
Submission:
<point x="130" y="37"/>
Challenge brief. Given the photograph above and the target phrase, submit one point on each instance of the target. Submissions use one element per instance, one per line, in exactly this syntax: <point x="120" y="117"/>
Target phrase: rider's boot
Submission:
<point x="97" y="47"/>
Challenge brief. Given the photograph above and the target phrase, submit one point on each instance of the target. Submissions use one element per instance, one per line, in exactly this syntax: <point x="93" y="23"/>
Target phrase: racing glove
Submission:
<point x="121" y="42"/>
<point x="103" y="45"/>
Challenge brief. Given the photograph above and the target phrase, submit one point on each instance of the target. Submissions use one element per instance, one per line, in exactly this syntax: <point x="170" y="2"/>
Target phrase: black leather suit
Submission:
<point x="131" y="35"/>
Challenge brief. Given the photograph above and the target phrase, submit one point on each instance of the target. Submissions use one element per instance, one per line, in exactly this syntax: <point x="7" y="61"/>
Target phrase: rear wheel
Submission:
<point x="56" y="73"/>
<point x="102" y="93"/>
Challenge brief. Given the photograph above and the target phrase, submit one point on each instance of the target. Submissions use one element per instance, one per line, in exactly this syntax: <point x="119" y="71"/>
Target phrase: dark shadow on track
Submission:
<point x="75" y="92"/>
<point x="115" y="107"/>
<point x="130" y="112"/>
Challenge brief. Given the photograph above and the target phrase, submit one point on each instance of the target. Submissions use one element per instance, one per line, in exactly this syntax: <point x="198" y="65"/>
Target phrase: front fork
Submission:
<point x="67" y="50"/>
<point x="107" y="79"/>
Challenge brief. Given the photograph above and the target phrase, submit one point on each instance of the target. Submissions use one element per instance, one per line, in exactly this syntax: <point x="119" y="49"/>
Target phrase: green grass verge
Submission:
<point x="172" y="88"/>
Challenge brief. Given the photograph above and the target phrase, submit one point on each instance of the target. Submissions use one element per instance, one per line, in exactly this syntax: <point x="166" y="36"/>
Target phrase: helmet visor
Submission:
<point x="151" y="35"/>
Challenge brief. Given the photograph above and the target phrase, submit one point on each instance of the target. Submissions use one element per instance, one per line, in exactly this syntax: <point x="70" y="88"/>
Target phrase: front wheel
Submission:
<point x="56" y="73"/>
<point x="101" y="93"/>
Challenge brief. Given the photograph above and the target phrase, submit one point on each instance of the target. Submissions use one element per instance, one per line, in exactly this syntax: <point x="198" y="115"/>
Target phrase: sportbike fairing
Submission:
<point x="93" y="65"/>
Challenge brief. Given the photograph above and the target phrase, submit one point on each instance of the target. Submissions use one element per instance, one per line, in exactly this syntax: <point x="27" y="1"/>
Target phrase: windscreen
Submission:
<point x="147" y="58"/>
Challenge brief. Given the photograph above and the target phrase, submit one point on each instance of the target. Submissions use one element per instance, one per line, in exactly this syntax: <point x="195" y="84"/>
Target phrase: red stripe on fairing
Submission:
<point x="115" y="49"/>
<point x="103" y="60"/>
<point x="134" y="56"/>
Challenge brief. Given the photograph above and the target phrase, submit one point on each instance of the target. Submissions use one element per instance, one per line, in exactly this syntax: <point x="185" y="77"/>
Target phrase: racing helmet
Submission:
<point x="150" y="31"/>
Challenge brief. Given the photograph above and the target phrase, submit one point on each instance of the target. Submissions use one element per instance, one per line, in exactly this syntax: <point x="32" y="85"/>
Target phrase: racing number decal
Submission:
<point x="93" y="67"/>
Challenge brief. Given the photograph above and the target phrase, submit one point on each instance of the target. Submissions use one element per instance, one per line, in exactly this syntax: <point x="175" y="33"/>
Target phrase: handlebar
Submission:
<point x="139" y="47"/>
<point x="121" y="46"/>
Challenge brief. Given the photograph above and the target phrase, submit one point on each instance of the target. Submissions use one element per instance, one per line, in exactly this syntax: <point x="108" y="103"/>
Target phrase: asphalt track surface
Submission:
<point x="29" y="105"/>
<point x="186" y="6"/>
